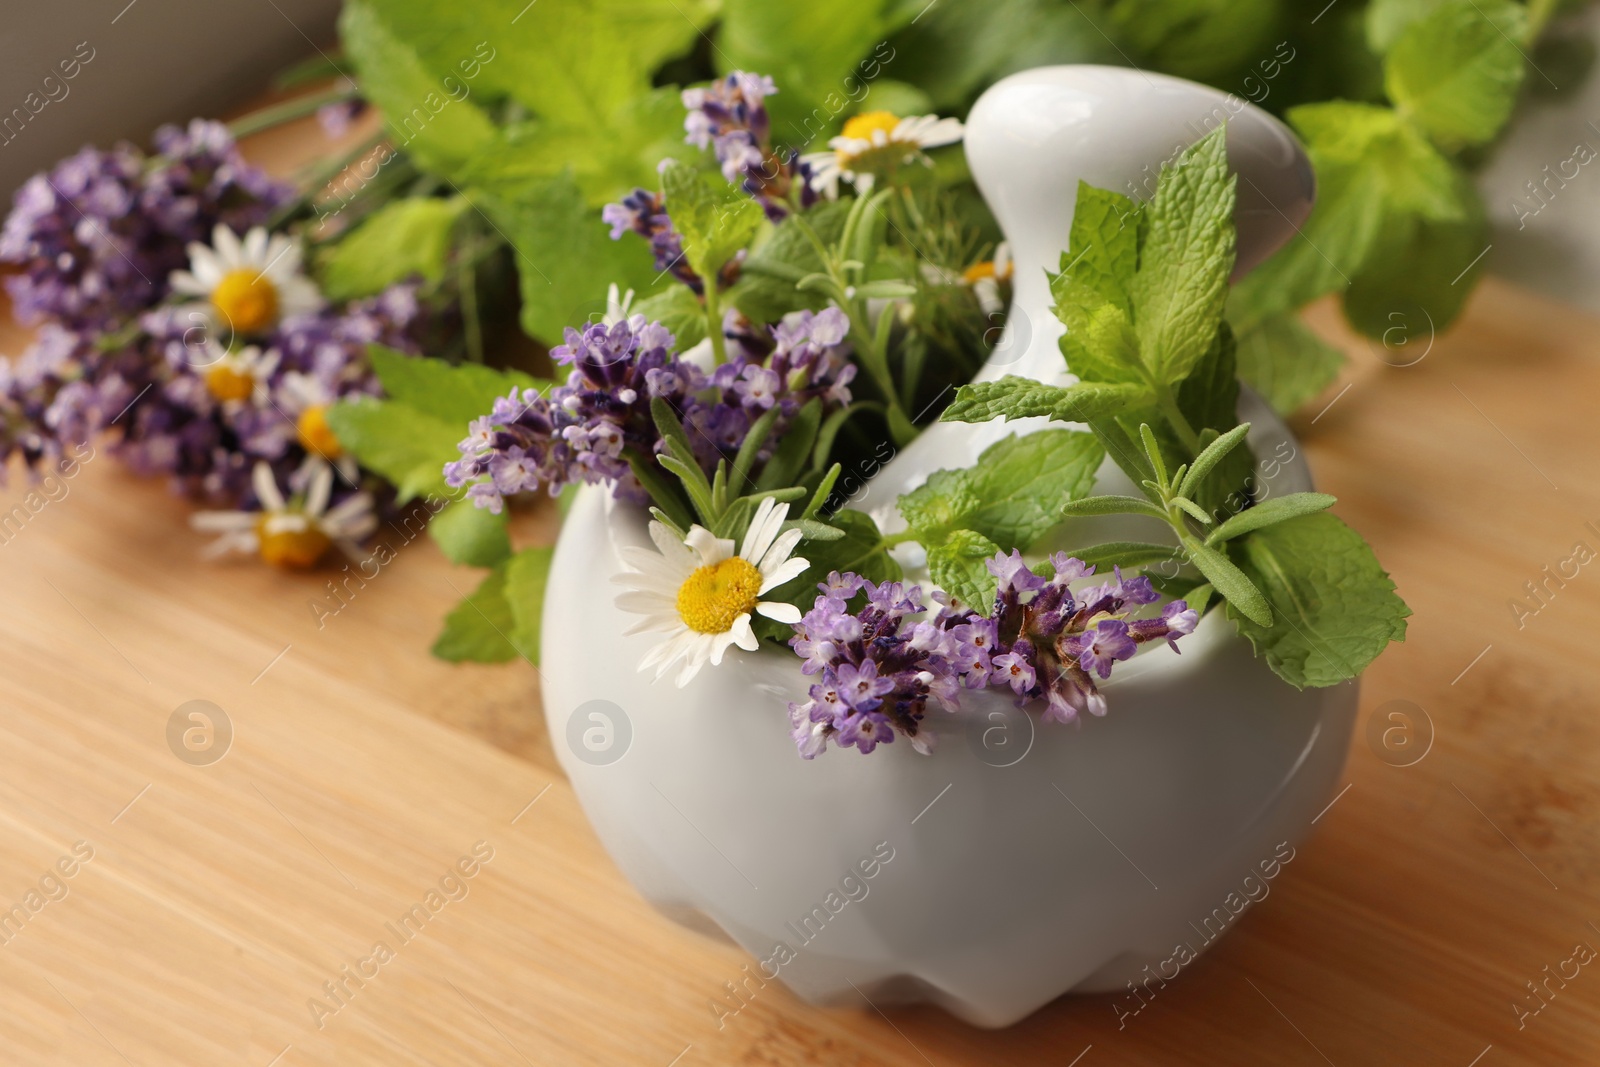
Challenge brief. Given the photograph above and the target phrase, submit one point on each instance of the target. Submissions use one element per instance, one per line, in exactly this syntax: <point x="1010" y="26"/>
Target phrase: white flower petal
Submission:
<point x="787" y="572"/>
<point x="317" y="493"/>
<point x="743" y="634"/>
<point x="710" y="548"/>
<point x="758" y="538"/>
<point x="778" y="611"/>
<point x="226" y="245"/>
<point x="780" y="551"/>
<point x="223" y="521"/>
<point x="254" y="248"/>
<point x="266" y="488"/>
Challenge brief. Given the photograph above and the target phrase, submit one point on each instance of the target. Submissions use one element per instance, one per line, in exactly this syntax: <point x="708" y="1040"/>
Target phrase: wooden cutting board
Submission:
<point x="230" y="913"/>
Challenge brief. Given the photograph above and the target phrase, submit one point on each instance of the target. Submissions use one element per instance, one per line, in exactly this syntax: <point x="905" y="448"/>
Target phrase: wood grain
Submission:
<point x="220" y="899"/>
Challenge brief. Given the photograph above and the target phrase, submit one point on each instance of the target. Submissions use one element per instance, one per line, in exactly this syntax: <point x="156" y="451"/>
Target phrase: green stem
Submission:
<point x="468" y="284"/>
<point x="289" y="110"/>
<point x="719" y="344"/>
<point x="1175" y="416"/>
<point x="890" y="540"/>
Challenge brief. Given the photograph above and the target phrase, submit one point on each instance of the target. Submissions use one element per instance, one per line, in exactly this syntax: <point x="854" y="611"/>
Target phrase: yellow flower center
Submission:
<point x="247" y="300"/>
<point x="978" y="271"/>
<point x="229" y="383"/>
<point x="291" y="548"/>
<point x="861" y="127"/>
<point x="715" y="595"/>
<point x="315" y="433"/>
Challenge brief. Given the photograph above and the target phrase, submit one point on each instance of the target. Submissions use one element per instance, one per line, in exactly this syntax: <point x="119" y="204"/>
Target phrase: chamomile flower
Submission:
<point x="700" y="593"/>
<point x="241" y="376"/>
<point x="306" y="399"/>
<point x="296" y="532"/>
<point x="987" y="277"/>
<point x="249" y="286"/>
<point x="876" y="142"/>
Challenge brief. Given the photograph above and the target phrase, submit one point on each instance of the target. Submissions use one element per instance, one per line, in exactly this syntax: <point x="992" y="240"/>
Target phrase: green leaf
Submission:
<point x="527" y="575"/>
<point x="406" y="446"/>
<point x="564" y="258"/>
<point x="1210" y="456"/>
<point x="478" y="630"/>
<point x="1286" y="362"/>
<point x="1335" y="608"/>
<point x="1111" y="505"/>
<point x="1374" y="169"/>
<point x="788" y="460"/>
<point x="1456" y="71"/>
<point x="1386" y="20"/>
<point x="958" y="566"/>
<point x="679" y="310"/>
<point x="714" y="224"/>
<point x="818" y="53"/>
<point x="402" y="238"/>
<point x="1126" y="554"/>
<point x="1200" y="39"/>
<point x="575" y="65"/>
<point x="1021" y="398"/>
<point x="766" y="290"/>
<point x="452" y="393"/>
<point x="1103" y="250"/>
<point x="1407" y="296"/>
<point x="1185" y="260"/>
<point x="1269" y="513"/>
<point x="471" y="535"/>
<point x="1013" y="495"/>
<point x="1234" y="584"/>
<point x="422" y="115"/>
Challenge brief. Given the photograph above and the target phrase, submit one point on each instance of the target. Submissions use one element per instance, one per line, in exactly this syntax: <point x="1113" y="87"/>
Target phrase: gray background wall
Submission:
<point x="154" y="61"/>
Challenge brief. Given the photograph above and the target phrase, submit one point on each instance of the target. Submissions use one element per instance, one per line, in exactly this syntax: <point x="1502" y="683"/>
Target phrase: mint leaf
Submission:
<point x="478" y="630"/>
<point x="1012" y="496"/>
<point x="1334" y="608"/>
<point x="1286" y="362"/>
<point x="453" y="393"/>
<point x="1103" y="250"/>
<point x="471" y="535"/>
<point x="1023" y="398"/>
<point x="408" y="447"/>
<point x="1185" y="260"/>
<point x="402" y="238"/>
<point x="564" y="257"/>
<point x="527" y="575"/>
<point x="573" y="65"/>
<point x="813" y="51"/>
<point x="1373" y="168"/>
<point x="441" y="132"/>
<point x="1386" y="20"/>
<point x="1456" y="71"/>
<point x="679" y="310"/>
<point x="1407" y="296"/>
<point x="958" y="566"/>
<point x="714" y="224"/>
<point x="766" y="290"/>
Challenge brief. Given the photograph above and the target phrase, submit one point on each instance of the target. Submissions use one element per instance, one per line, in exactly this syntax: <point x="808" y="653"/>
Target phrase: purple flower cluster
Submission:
<point x="730" y="117"/>
<point x="586" y="430"/>
<point x="644" y="213"/>
<point x="97" y="238"/>
<point x="880" y="663"/>
<point x="98" y="235"/>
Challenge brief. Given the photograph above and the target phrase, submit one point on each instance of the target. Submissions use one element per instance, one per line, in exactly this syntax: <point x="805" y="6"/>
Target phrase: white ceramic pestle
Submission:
<point x="1019" y="860"/>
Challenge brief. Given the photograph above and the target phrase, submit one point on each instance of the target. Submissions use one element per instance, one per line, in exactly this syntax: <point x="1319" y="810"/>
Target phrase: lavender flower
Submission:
<point x="586" y="430"/>
<point x="879" y="663"/>
<point x="645" y="213"/>
<point x="98" y="235"/>
<point x="729" y="116"/>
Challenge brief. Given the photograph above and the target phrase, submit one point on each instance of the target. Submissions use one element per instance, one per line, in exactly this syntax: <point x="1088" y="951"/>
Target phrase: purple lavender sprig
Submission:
<point x="881" y="663"/>
<point x="729" y="115"/>
<point x="587" y="430"/>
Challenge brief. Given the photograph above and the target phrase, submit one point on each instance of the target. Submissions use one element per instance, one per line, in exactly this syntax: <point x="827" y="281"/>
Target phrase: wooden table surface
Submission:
<point x="218" y="900"/>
